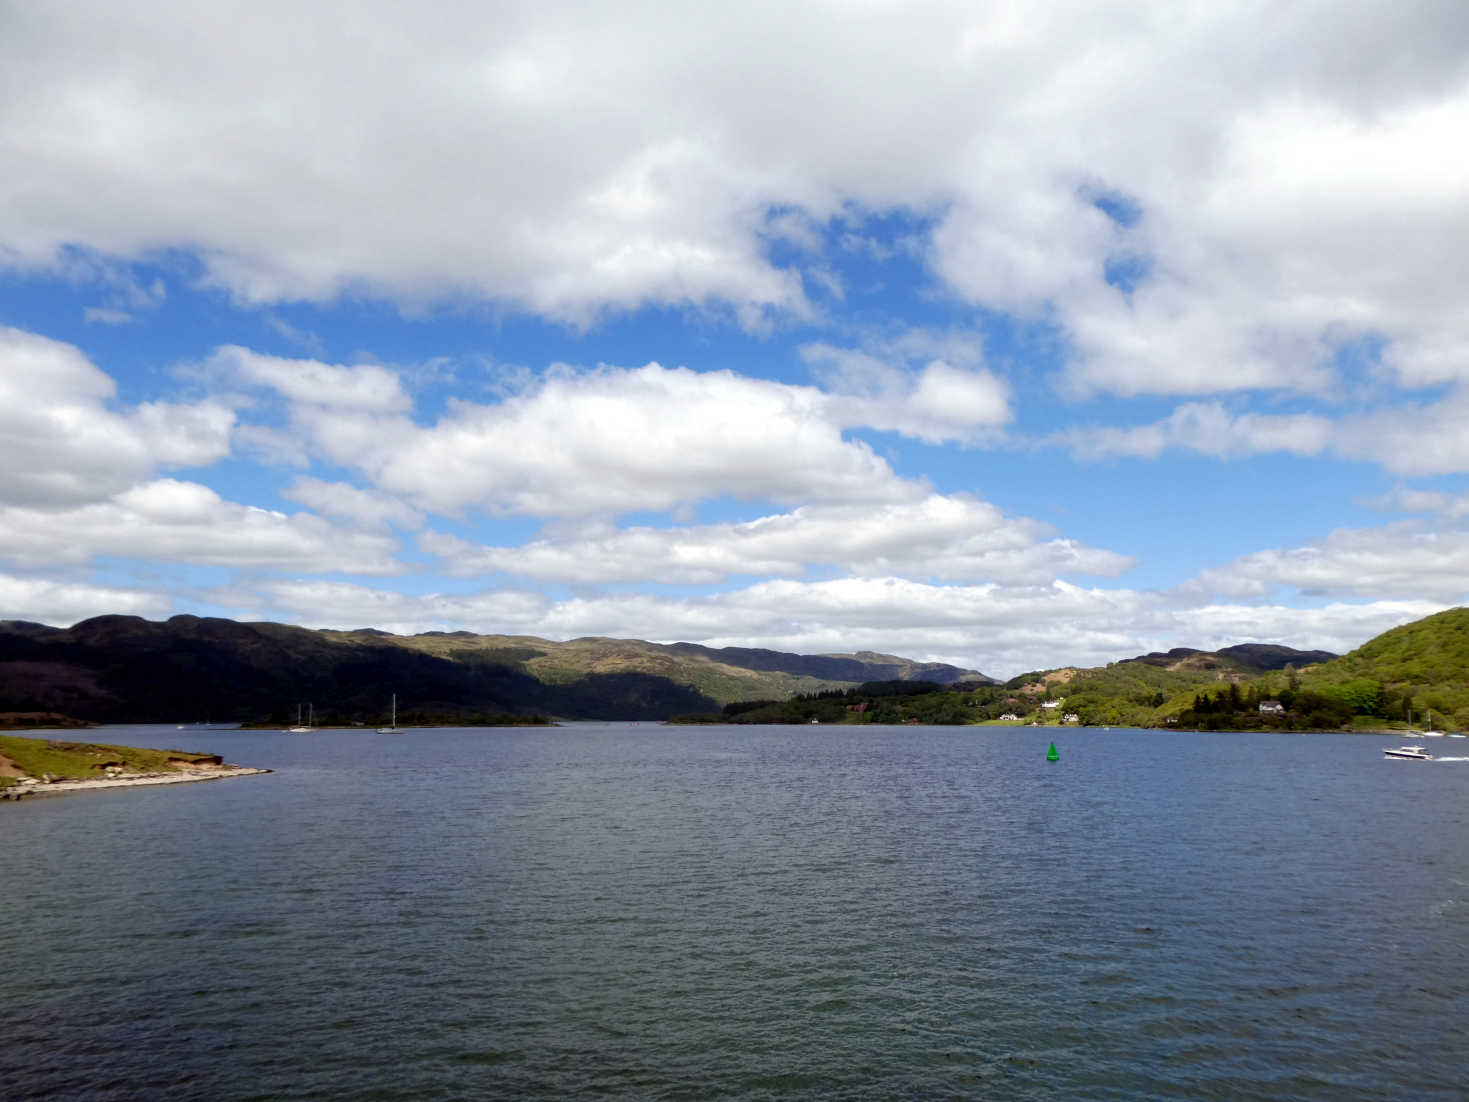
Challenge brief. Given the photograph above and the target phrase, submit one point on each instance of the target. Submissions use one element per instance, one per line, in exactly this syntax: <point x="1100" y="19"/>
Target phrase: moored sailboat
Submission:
<point x="392" y="728"/>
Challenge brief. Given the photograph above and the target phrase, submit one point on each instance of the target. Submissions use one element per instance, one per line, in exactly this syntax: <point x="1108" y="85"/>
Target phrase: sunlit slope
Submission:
<point x="1420" y="666"/>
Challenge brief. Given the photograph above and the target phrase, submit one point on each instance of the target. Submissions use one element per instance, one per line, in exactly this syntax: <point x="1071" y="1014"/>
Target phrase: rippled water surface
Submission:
<point x="667" y="912"/>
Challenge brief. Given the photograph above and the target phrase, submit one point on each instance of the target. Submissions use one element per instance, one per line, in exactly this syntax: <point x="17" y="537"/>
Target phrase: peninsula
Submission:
<point x="51" y="767"/>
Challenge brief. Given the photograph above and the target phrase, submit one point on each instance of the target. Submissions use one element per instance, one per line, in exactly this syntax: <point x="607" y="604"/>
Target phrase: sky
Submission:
<point x="1014" y="335"/>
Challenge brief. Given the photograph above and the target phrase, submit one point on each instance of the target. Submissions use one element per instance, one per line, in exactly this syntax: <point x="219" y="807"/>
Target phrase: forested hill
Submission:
<point x="1397" y="677"/>
<point x="192" y="669"/>
<point x="1419" y="667"/>
<point x="1256" y="657"/>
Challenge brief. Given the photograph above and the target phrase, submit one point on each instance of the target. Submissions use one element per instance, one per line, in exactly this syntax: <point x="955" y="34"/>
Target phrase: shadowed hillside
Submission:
<point x="189" y="669"/>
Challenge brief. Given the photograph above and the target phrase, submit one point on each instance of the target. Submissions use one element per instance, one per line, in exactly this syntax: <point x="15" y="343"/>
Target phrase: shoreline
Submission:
<point x="130" y="780"/>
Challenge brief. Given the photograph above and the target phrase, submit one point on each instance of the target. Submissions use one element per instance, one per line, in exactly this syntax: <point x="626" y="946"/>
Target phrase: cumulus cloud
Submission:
<point x="936" y="402"/>
<point x="940" y="537"/>
<point x="344" y="605"/>
<point x="604" y="441"/>
<point x="346" y="502"/>
<point x="575" y="162"/>
<point x="1337" y="627"/>
<point x="63" y="603"/>
<point x="1208" y="428"/>
<point x="1405" y="500"/>
<point x="172" y="521"/>
<point x="1414" y="440"/>
<point x="1400" y="560"/>
<point x="65" y="443"/>
<point x="367" y="388"/>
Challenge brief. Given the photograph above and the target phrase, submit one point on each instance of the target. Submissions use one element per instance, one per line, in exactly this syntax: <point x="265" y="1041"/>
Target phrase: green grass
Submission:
<point x="82" y="760"/>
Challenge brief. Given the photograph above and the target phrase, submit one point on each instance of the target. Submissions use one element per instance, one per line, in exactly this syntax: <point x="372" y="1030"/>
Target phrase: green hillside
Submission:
<point x="1419" y="667"/>
<point x="1136" y="692"/>
<point x="1411" y="669"/>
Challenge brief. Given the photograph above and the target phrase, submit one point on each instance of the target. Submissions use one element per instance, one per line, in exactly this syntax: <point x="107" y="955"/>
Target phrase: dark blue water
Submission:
<point x="650" y="912"/>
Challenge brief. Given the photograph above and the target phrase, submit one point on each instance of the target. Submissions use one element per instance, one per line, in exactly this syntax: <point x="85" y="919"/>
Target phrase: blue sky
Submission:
<point x="1014" y="338"/>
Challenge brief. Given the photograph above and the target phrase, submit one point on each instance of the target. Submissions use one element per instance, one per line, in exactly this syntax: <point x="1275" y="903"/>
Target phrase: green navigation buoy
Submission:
<point x="1051" y="754"/>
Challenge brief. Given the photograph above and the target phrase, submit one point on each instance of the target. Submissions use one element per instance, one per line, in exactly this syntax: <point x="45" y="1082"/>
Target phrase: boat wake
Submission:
<point x="1450" y="759"/>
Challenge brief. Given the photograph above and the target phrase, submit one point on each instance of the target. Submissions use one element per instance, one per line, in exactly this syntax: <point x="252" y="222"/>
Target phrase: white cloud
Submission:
<point x="1205" y="427"/>
<point x="1335" y="627"/>
<point x="106" y="315"/>
<point x="1398" y="561"/>
<point x="569" y="162"/>
<point x="1412" y="440"/>
<point x="63" y="603"/>
<point x="1404" y="500"/>
<point x="1424" y="440"/>
<point x="344" y="605"/>
<point x="172" y="521"/>
<point x="935" y="403"/>
<point x="362" y="508"/>
<point x="604" y="441"/>
<point x="948" y="538"/>
<point x="272" y="447"/>
<point x="1419" y="361"/>
<point x="366" y="388"/>
<point x="64" y="444"/>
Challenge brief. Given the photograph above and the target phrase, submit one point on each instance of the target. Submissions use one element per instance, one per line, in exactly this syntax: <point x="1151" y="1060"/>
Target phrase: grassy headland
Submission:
<point x="63" y="760"/>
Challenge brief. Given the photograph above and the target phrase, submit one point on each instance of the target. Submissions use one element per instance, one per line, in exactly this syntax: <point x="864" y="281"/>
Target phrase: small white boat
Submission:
<point x="310" y="723"/>
<point x="392" y="728"/>
<point x="1408" y="753"/>
<point x="1431" y="733"/>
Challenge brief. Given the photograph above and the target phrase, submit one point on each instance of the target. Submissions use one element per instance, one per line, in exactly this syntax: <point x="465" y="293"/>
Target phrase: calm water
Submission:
<point x="650" y="912"/>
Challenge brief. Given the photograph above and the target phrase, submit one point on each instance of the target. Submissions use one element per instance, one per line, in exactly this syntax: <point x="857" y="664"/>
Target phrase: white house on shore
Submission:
<point x="1272" y="707"/>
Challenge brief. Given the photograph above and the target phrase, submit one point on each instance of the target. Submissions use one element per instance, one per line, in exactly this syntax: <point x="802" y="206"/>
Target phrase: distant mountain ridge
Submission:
<point x="1250" y="656"/>
<point x="859" y="667"/>
<point x="189" y="668"/>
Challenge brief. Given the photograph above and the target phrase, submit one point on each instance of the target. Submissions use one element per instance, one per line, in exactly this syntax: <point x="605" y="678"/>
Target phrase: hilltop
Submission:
<point x="125" y="669"/>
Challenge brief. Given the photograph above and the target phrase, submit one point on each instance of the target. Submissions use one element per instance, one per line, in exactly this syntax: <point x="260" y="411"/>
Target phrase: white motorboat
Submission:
<point x="1408" y="753"/>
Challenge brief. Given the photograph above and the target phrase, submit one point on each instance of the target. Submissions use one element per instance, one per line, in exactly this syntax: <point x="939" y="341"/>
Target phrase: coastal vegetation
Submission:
<point x="64" y="760"/>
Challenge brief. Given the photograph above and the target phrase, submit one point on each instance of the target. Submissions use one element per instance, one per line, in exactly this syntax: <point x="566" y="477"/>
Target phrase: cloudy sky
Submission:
<point x="1011" y="335"/>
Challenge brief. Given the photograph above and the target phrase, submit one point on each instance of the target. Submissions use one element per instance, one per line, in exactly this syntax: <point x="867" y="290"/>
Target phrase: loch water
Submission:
<point x="640" y="911"/>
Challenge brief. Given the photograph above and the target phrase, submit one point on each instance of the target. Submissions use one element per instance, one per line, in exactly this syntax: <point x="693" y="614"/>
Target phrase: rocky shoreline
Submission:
<point x="33" y="786"/>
